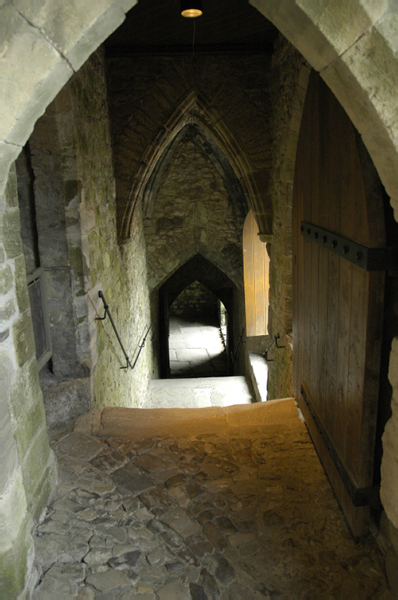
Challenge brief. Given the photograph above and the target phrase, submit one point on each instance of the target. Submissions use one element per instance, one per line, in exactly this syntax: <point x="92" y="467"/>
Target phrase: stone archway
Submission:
<point x="198" y="268"/>
<point x="353" y="47"/>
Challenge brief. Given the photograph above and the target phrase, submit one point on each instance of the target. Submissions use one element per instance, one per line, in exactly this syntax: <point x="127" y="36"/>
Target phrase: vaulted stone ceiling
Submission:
<point x="226" y="25"/>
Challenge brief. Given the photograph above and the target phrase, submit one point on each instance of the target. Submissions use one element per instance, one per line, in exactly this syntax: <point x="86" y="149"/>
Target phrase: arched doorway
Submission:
<point x="197" y="269"/>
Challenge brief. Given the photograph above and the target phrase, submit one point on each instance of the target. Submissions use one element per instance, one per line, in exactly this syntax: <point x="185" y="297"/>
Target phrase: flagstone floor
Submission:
<point x="194" y="504"/>
<point x="196" y="348"/>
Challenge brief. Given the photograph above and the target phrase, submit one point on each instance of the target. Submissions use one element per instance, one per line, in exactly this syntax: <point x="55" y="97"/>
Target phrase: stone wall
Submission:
<point x="28" y="469"/>
<point x="196" y="301"/>
<point x="290" y="75"/>
<point x="190" y="140"/>
<point x="152" y="98"/>
<point x="118" y="271"/>
<point x="193" y="213"/>
<point x="74" y="210"/>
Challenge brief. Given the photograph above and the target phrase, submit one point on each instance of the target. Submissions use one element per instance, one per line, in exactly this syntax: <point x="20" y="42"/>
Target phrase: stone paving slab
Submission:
<point x="231" y="513"/>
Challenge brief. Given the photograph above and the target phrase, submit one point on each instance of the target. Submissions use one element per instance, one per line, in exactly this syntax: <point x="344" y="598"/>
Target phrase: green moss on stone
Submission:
<point x="14" y="563"/>
<point x="5" y="279"/>
<point x="44" y="490"/>
<point x="7" y="311"/>
<point x="34" y="463"/>
<point x="33" y="420"/>
<point x="11" y="233"/>
<point x="11" y="191"/>
<point x="21" y="287"/>
<point x="25" y="389"/>
<point x="22" y="333"/>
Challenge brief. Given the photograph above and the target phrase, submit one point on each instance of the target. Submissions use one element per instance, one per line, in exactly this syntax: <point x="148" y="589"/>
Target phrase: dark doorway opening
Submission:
<point x="196" y="345"/>
<point x="190" y="315"/>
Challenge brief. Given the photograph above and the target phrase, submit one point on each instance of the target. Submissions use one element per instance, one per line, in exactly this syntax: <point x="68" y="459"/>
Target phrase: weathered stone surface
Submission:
<point x="209" y="583"/>
<point x="80" y="446"/>
<point x="51" y="548"/>
<point x="133" y="479"/>
<point x="106" y="581"/>
<point x="175" y="481"/>
<point x="231" y="541"/>
<point x="151" y="464"/>
<point x="180" y="522"/>
<point x="125" y="560"/>
<point x="238" y="539"/>
<point x="98" y="556"/>
<point x="197" y="592"/>
<point x="215" y="536"/>
<point x="224" y="572"/>
<point x="174" y="591"/>
<point x="194" y="490"/>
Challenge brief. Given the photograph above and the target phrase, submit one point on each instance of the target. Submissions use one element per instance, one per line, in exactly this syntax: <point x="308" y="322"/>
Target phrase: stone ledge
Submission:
<point x="259" y="376"/>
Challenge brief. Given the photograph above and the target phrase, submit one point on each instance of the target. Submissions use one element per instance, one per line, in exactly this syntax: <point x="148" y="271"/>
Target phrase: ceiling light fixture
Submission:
<point x="191" y="8"/>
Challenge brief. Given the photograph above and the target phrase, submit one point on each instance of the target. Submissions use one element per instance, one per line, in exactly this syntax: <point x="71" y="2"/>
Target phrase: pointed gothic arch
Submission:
<point x="197" y="268"/>
<point x="194" y="111"/>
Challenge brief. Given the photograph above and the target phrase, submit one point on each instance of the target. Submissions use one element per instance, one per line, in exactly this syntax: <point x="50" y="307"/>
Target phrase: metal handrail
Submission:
<point x="234" y="355"/>
<point x="107" y="313"/>
<point x="142" y="345"/>
<point x="274" y="341"/>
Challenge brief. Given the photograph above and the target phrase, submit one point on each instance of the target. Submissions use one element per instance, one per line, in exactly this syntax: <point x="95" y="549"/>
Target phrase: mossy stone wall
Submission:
<point x="28" y="468"/>
<point x="119" y="271"/>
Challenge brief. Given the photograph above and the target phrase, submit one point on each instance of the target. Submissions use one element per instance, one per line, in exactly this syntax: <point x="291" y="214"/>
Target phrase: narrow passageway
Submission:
<point x="181" y="504"/>
<point x="196" y="348"/>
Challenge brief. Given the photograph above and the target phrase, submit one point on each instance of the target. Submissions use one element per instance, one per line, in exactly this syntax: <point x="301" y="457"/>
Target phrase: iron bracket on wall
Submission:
<point x="370" y="259"/>
<point x="359" y="496"/>
<point x="274" y="341"/>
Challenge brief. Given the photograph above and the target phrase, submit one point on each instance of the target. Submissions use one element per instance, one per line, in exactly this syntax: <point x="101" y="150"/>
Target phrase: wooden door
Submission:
<point x="256" y="279"/>
<point x="337" y="304"/>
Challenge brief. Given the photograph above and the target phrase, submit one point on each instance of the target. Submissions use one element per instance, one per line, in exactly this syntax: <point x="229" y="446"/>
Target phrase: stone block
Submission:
<point x="31" y="77"/>
<point x="6" y="312"/>
<point x="298" y="28"/>
<point x="66" y="400"/>
<point x="14" y="563"/>
<point x="12" y="507"/>
<point x="81" y="446"/>
<point x="21" y="286"/>
<point x="75" y="30"/>
<point x="8" y="154"/>
<point x="6" y="279"/>
<point x="24" y="343"/>
<point x="107" y="580"/>
<point x="45" y="489"/>
<point x="35" y="462"/>
<point x="344" y="24"/>
<point x="11" y="191"/>
<point x="12" y="233"/>
<point x="25" y="389"/>
<point x="33" y="420"/>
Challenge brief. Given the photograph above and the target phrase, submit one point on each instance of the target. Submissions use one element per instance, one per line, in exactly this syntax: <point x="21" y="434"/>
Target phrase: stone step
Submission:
<point x="201" y="392"/>
<point x="139" y="423"/>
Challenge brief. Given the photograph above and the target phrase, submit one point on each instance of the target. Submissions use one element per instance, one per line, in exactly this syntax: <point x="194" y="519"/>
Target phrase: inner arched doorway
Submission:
<point x="197" y="269"/>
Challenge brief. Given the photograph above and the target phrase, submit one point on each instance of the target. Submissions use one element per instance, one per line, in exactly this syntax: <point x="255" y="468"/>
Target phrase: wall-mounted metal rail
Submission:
<point x="140" y="347"/>
<point x="274" y="341"/>
<point x="107" y="313"/>
<point x="234" y="355"/>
